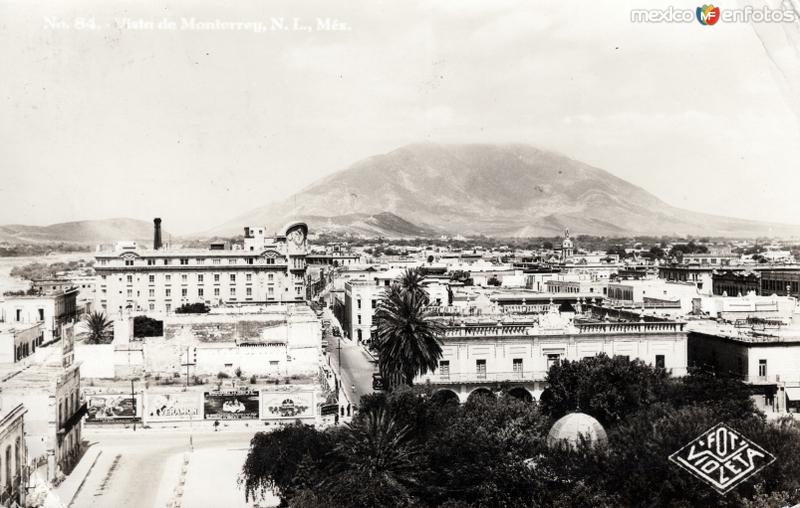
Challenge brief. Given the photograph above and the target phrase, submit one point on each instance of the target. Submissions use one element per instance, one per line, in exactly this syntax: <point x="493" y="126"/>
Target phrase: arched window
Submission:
<point x="17" y="454"/>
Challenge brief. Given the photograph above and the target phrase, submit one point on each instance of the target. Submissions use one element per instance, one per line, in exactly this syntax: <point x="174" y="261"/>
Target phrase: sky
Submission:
<point x="103" y="115"/>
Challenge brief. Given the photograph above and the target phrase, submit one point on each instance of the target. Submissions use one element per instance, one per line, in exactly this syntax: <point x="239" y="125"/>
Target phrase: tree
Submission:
<point x="493" y="281"/>
<point x="381" y="453"/>
<point x="276" y="460"/>
<point x="193" y="308"/>
<point x="144" y="326"/>
<point x="607" y="388"/>
<point x="407" y="336"/>
<point x="411" y="282"/>
<point x="97" y="329"/>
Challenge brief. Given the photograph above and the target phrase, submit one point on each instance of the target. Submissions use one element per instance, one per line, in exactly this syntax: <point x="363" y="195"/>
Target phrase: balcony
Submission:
<point x="485" y="377"/>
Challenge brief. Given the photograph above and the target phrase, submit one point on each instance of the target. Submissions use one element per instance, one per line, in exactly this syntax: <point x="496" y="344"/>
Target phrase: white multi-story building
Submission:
<point x="161" y="280"/>
<point x="486" y="356"/>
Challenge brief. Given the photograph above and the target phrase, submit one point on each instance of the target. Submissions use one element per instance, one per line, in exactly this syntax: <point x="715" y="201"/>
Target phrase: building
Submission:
<point x="735" y="282"/>
<point x="18" y="341"/>
<point x="653" y="294"/>
<point x="13" y="454"/>
<point x="273" y="340"/>
<point x="699" y="275"/>
<point x="52" y="310"/>
<point x="567" y="247"/>
<point x="576" y="283"/>
<point x="263" y="270"/>
<point x="487" y="355"/>
<point x="48" y="384"/>
<point x="763" y="353"/>
<point x="783" y="281"/>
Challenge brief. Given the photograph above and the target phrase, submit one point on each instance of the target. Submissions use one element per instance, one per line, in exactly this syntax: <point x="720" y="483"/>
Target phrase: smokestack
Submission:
<point x="156" y="233"/>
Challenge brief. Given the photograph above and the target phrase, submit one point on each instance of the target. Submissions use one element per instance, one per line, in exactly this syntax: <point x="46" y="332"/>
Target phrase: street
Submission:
<point x="142" y="469"/>
<point x="357" y="366"/>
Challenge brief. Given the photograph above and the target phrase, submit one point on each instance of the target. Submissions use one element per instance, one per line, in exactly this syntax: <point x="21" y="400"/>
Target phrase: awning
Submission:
<point x="793" y="392"/>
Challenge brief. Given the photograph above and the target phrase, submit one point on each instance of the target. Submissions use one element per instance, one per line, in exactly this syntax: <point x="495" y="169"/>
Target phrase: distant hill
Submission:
<point x="497" y="190"/>
<point x="87" y="231"/>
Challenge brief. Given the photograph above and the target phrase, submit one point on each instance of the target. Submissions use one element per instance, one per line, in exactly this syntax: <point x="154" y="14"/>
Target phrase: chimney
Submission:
<point x="156" y="233"/>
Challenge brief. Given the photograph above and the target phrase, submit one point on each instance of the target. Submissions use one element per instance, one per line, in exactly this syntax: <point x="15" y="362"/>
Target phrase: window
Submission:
<point x="129" y="278"/>
<point x="184" y="292"/>
<point x="249" y="292"/>
<point x="166" y="261"/>
<point x="216" y="262"/>
<point x="232" y="261"/>
<point x="19" y="315"/>
<point x="151" y="262"/>
<point x="249" y="277"/>
<point x="444" y="369"/>
<point x="130" y="293"/>
<point x="270" y="291"/>
<point x="152" y="306"/>
<point x="480" y="369"/>
<point x="151" y="293"/>
<point x="216" y="291"/>
<point x="200" y="261"/>
<point x="233" y="277"/>
<point x="359" y="333"/>
<point x="358" y="304"/>
<point x="169" y="307"/>
<point x="270" y="276"/>
<point x="200" y="292"/>
<point x="151" y="279"/>
<point x="553" y="359"/>
<point x="374" y="304"/>
<point x="41" y="314"/>
<point x="199" y="277"/>
<point x="233" y="291"/>
<point x="517" y="367"/>
<point x="660" y="363"/>
<point x="184" y="261"/>
<point x="249" y="261"/>
<point x="168" y="292"/>
<point x="184" y="278"/>
<point x="216" y="277"/>
<point x="762" y="368"/>
<point x="168" y="277"/>
<point x="128" y="262"/>
<point x="359" y="319"/>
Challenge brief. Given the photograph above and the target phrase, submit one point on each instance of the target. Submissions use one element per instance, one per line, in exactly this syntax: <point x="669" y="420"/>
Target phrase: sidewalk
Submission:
<point x="62" y="496"/>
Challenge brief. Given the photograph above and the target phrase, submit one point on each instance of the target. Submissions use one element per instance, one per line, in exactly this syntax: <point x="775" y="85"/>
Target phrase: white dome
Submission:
<point x="569" y="429"/>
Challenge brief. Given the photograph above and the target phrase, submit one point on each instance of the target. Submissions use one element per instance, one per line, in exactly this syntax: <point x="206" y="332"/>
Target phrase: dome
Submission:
<point x="569" y="428"/>
<point x="566" y="244"/>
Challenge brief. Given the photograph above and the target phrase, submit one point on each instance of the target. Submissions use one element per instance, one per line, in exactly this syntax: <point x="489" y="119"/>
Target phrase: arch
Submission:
<point x="445" y="396"/>
<point x="477" y="393"/>
<point x="521" y="393"/>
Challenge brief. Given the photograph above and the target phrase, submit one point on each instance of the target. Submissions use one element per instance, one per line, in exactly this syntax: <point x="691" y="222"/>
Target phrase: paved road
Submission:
<point x="357" y="366"/>
<point x="139" y="469"/>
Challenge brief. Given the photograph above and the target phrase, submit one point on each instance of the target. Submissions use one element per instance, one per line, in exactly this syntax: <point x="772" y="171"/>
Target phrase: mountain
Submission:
<point x="497" y="190"/>
<point x="87" y="231"/>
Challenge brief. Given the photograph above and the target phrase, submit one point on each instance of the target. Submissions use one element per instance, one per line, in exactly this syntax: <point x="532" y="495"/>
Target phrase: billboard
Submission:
<point x="231" y="405"/>
<point x="172" y="407"/>
<point x="284" y="405"/>
<point x="108" y="407"/>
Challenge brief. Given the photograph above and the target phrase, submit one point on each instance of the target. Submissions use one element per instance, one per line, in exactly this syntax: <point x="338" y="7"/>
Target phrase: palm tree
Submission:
<point x="97" y="329"/>
<point x="411" y="281"/>
<point x="382" y="453"/>
<point x="408" y="339"/>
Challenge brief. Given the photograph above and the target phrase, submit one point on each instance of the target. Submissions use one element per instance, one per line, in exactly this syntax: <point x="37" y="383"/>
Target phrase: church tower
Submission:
<point x="567" y="248"/>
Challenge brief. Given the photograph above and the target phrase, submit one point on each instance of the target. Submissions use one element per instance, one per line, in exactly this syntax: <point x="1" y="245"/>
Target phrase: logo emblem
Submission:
<point x="708" y="14"/>
<point x="722" y="457"/>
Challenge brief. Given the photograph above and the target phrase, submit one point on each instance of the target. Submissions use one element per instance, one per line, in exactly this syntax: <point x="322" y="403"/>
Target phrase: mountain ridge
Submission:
<point x="511" y="190"/>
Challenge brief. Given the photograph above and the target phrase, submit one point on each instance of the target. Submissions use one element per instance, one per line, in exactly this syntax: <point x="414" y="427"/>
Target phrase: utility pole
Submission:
<point x="187" y="364"/>
<point x="133" y="398"/>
